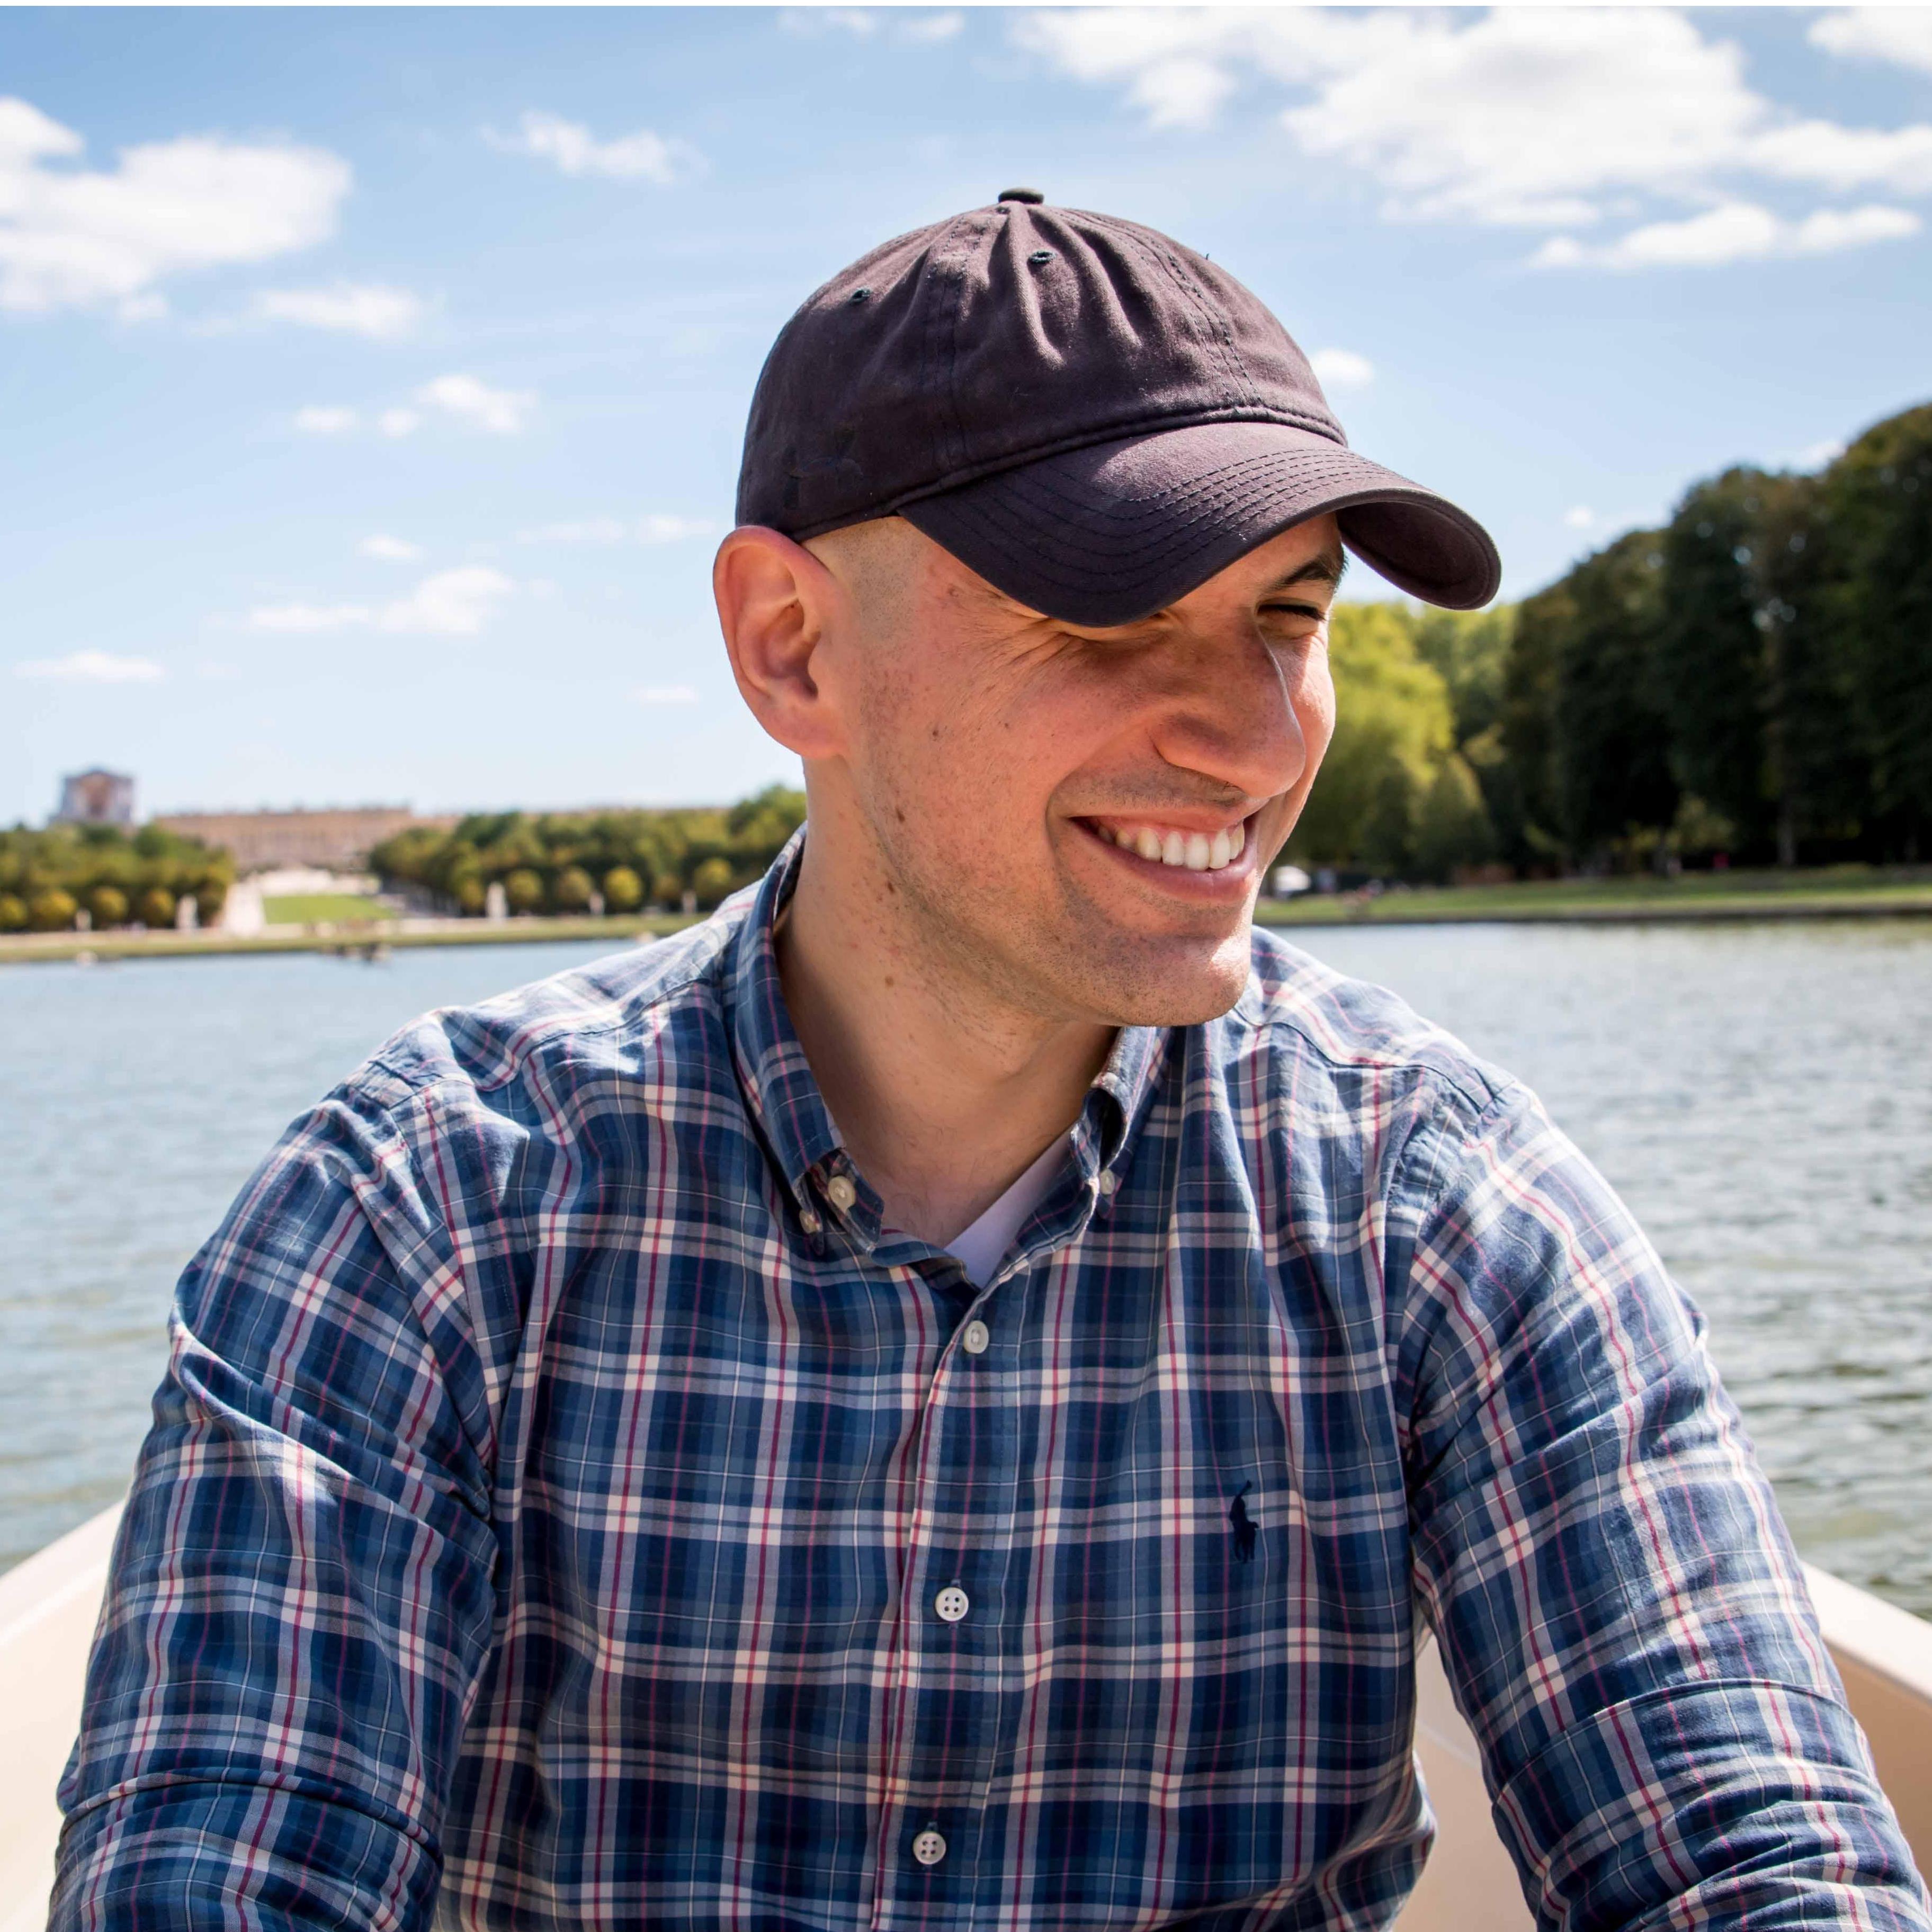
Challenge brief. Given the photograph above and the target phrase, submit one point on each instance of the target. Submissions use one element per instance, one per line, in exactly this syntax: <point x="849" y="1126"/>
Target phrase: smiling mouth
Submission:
<point x="1170" y="845"/>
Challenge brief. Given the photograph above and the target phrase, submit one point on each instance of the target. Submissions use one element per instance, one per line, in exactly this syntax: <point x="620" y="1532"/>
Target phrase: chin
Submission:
<point x="1172" y="990"/>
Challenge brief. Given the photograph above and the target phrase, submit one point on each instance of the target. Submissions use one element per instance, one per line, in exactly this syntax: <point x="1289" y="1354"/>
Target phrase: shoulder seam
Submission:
<point x="626" y="1013"/>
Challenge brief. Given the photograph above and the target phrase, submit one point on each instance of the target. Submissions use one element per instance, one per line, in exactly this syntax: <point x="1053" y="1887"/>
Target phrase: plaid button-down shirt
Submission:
<point x="553" y="1489"/>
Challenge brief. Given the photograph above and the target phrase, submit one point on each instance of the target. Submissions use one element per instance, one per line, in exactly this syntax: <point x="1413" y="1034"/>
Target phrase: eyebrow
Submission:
<point x="1326" y="569"/>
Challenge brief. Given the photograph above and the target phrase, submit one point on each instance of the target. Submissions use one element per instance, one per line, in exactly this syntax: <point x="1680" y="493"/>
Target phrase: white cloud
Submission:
<point x="1901" y="35"/>
<point x="383" y="314"/>
<point x="1820" y="454"/>
<point x="1735" y="231"/>
<point x="913" y="25"/>
<point x="648" y="530"/>
<point x="71" y="236"/>
<point x="1342" y="369"/>
<point x="665" y="694"/>
<point x="590" y="530"/>
<point x="304" y="620"/>
<point x="1581" y="518"/>
<point x="642" y="156"/>
<point x="389" y="550"/>
<point x="674" y="529"/>
<point x="449" y="604"/>
<point x="921" y="27"/>
<point x="501" y="412"/>
<point x="326" y="419"/>
<point x="92" y="667"/>
<point x="1552" y="117"/>
<point x="399" y="422"/>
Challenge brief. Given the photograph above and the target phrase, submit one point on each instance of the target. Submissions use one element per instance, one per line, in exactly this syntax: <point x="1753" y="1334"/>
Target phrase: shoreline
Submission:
<point x="1439" y="907"/>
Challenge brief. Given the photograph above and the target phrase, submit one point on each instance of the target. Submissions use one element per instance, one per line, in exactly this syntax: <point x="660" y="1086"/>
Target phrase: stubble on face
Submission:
<point x="990" y="744"/>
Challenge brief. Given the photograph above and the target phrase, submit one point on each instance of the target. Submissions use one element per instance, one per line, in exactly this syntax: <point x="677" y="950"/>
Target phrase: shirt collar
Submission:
<point x="791" y="1112"/>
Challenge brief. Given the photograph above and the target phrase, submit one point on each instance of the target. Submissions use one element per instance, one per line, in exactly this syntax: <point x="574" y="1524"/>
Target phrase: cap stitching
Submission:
<point x="889" y="504"/>
<point x="945" y="266"/>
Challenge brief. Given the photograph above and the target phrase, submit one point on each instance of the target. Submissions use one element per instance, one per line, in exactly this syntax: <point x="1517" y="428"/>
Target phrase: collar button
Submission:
<point x="841" y="1193"/>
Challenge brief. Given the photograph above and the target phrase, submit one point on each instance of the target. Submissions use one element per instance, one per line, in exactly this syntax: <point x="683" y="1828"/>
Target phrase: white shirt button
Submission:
<point x="974" y="1340"/>
<point x="1107" y="1183"/>
<point x="953" y="1603"/>
<point x="929" y="1847"/>
<point x="840" y="1192"/>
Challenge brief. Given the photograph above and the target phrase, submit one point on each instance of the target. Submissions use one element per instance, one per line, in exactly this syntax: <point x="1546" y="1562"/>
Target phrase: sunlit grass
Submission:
<point x="314" y="908"/>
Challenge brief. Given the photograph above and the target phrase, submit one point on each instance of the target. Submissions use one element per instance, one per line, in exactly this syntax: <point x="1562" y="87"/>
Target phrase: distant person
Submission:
<point x="950" y="1394"/>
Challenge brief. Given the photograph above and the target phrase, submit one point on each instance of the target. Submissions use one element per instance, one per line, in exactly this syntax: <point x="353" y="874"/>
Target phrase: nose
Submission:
<point x="1227" y="712"/>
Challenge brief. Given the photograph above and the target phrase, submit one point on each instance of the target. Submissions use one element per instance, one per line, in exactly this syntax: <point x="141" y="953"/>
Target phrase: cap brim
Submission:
<point x="1111" y="533"/>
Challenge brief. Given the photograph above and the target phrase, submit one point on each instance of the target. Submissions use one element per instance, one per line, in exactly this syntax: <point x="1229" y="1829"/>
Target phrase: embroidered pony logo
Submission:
<point x="1246" y="1528"/>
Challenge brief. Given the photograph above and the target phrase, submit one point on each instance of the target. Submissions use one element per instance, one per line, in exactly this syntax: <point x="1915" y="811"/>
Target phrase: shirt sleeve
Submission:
<point x="300" y="1600"/>
<point x="1620" y="1613"/>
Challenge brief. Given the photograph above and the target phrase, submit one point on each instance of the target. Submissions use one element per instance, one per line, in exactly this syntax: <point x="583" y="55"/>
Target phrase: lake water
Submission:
<point x="1762" y="1096"/>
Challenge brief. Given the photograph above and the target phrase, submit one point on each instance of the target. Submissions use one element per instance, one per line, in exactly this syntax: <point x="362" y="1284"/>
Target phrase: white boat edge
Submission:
<point x="49" y="1603"/>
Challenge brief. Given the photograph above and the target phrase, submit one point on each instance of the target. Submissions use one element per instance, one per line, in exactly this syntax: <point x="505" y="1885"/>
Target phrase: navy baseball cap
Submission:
<point x="1093" y="418"/>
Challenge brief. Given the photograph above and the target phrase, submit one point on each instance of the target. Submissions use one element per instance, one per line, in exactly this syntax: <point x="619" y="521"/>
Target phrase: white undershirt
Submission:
<point x="981" y="1248"/>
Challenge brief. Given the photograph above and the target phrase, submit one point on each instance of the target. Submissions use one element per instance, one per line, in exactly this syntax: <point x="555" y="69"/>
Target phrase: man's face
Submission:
<point x="1083" y="817"/>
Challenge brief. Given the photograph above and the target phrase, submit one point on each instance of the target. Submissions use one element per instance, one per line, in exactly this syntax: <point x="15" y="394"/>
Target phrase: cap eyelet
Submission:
<point x="859" y="295"/>
<point x="1040" y="256"/>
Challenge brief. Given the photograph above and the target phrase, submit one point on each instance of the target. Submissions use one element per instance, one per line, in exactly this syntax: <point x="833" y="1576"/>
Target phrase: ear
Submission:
<point x="775" y="600"/>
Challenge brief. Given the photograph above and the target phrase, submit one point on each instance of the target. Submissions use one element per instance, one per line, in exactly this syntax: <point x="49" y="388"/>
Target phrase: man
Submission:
<point x="948" y="1394"/>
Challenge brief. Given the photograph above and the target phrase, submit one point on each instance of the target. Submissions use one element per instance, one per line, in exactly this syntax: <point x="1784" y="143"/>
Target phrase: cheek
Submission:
<point x="954" y="763"/>
<point x="1313" y="698"/>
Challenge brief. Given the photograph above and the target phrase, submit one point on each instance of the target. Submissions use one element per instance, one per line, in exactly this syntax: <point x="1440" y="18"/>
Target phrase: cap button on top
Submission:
<point x="1031" y="195"/>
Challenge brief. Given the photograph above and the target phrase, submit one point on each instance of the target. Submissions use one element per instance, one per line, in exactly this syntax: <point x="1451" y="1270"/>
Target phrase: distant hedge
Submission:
<point x="48" y="879"/>
<point x="564" y="863"/>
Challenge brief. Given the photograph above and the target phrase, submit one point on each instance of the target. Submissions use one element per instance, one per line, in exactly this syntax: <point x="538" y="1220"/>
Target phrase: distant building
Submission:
<point x="261" y="841"/>
<point x="96" y="797"/>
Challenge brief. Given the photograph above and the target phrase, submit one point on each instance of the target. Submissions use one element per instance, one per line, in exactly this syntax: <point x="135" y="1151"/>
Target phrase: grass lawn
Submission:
<point x="1687" y="894"/>
<point x="314" y="908"/>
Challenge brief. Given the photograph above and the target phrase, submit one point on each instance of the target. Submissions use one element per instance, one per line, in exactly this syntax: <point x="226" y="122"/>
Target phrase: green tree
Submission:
<point x="1712" y="657"/>
<point x="523" y="889"/>
<point x="1818" y="758"/>
<point x="711" y="880"/>
<point x="51" y="910"/>
<point x="1394" y="731"/>
<point x="156" y="907"/>
<point x="570" y="891"/>
<point x="1878" y="499"/>
<point x="1528" y="815"/>
<point x="108" y="904"/>
<point x="623" y="890"/>
<point x="12" y="913"/>
<point x="1612" y="737"/>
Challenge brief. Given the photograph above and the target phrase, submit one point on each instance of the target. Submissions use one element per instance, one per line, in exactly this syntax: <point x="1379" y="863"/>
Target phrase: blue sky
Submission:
<point x="371" y="381"/>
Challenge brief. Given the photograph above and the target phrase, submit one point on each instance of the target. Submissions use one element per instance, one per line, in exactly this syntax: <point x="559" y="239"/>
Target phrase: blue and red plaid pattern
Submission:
<point x="552" y="1489"/>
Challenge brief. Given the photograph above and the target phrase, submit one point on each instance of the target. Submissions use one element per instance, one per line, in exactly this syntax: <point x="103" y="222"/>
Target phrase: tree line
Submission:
<point x="616" y="862"/>
<point x="48" y="879"/>
<point x="1751" y="682"/>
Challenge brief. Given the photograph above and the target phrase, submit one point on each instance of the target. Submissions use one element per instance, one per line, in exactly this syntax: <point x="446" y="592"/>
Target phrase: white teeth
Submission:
<point x="1196" y="851"/>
